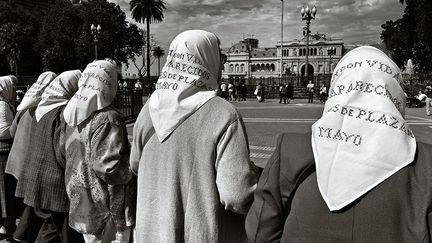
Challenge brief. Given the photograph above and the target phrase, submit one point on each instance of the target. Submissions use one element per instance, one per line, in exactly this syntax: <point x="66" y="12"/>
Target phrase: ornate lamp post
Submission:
<point x="307" y="14"/>
<point x="331" y="51"/>
<point x="281" y="59"/>
<point x="95" y="32"/>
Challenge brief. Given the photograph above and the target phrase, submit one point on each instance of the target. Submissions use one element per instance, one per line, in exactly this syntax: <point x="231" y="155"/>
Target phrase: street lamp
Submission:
<point x="331" y="51"/>
<point x="281" y="58"/>
<point x="95" y="32"/>
<point x="307" y="14"/>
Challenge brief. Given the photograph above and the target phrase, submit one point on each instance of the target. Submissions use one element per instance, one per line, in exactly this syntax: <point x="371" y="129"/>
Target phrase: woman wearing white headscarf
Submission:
<point x="98" y="178"/>
<point x="42" y="185"/>
<point x="20" y="128"/>
<point x="190" y="152"/>
<point x="7" y="182"/>
<point x="360" y="177"/>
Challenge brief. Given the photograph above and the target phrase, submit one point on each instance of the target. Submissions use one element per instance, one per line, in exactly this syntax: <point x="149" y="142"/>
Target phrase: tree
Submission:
<point x="411" y="35"/>
<point x="66" y="41"/>
<point x="18" y="33"/>
<point x="148" y="11"/>
<point x="142" y="70"/>
<point x="158" y="52"/>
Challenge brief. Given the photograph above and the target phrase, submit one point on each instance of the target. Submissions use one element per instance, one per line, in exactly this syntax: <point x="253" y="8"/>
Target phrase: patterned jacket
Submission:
<point x="98" y="179"/>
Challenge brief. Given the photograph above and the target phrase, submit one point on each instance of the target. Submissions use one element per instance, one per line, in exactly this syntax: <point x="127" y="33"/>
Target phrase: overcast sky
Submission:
<point x="355" y="21"/>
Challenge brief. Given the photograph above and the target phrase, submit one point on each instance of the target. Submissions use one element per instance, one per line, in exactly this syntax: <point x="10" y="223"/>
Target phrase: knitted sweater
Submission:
<point x="194" y="186"/>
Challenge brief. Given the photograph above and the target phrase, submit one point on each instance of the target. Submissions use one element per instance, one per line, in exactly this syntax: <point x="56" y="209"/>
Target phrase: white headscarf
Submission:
<point x="6" y="89"/>
<point x="362" y="137"/>
<point x="187" y="81"/>
<point x="33" y="96"/>
<point x="97" y="88"/>
<point x="58" y="92"/>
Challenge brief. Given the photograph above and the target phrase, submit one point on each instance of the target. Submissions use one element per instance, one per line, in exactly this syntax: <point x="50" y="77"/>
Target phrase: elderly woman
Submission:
<point x="42" y="184"/>
<point x="190" y="152"/>
<point x="98" y="178"/>
<point x="16" y="162"/>
<point x="7" y="182"/>
<point x="360" y="177"/>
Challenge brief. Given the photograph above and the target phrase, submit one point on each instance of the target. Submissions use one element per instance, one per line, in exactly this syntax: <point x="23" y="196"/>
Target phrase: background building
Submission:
<point x="249" y="63"/>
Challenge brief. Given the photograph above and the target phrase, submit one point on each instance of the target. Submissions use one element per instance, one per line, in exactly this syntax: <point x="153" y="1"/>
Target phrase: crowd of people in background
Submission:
<point x="233" y="91"/>
<point x="69" y="173"/>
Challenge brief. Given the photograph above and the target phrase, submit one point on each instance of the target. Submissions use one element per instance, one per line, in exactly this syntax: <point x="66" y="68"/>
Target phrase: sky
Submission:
<point x="355" y="21"/>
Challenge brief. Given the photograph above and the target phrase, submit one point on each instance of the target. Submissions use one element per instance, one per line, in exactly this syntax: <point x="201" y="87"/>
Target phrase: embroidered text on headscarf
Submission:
<point x="97" y="88"/>
<point x="186" y="63"/>
<point x="58" y="92"/>
<point x="361" y="127"/>
<point x="33" y="96"/>
<point x="187" y="81"/>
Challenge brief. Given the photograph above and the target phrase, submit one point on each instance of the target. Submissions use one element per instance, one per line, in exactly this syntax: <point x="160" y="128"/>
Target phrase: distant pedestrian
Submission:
<point x="428" y="92"/>
<point x="290" y="92"/>
<point x="98" y="180"/>
<point x="190" y="153"/>
<point x="243" y="91"/>
<point x="310" y="90"/>
<point x="224" y="90"/>
<point x="231" y="91"/>
<point x="138" y="84"/>
<point x="323" y="93"/>
<point x="260" y="92"/>
<point x="283" y="93"/>
<point x="241" y="96"/>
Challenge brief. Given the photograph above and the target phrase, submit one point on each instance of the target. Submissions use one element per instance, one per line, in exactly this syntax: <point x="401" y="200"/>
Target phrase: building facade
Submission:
<point x="247" y="62"/>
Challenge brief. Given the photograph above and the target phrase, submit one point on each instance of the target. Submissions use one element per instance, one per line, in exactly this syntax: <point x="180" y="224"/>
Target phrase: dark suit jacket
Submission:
<point x="288" y="206"/>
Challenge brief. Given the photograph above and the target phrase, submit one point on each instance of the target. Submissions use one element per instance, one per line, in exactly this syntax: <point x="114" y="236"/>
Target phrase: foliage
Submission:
<point x="66" y="41"/>
<point x="149" y="11"/>
<point x="142" y="70"/>
<point x="158" y="52"/>
<point x="18" y="33"/>
<point x="411" y="35"/>
<point x="60" y="39"/>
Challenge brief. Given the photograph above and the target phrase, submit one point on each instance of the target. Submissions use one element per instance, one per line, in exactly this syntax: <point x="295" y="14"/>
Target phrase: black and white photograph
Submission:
<point x="215" y="121"/>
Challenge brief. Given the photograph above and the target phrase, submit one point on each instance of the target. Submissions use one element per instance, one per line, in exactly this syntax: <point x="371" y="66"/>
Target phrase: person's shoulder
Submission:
<point x="221" y="108"/>
<point x="295" y="154"/>
<point x="109" y="115"/>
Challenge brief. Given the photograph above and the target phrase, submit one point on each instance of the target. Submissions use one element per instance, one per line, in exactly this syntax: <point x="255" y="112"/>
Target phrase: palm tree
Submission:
<point x="158" y="52"/>
<point x="149" y="11"/>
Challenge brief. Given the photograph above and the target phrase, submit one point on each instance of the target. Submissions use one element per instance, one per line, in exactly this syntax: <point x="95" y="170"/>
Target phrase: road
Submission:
<point x="264" y="121"/>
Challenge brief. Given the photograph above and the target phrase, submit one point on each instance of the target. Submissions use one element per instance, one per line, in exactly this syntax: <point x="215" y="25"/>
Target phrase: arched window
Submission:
<point x="242" y="68"/>
<point x="237" y="68"/>
<point x="231" y="68"/>
<point x="267" y="68"/>
<point x="272" y="66"/>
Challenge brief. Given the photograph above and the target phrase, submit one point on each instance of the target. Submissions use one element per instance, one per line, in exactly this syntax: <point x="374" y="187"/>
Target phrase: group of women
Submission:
<point x="68" y="154"/>
<point x="350" y="178"/>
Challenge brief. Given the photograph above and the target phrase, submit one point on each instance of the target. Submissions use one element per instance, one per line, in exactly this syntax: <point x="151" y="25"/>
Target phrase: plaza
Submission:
<point x="265" y="121"/>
